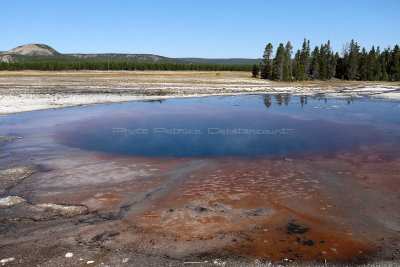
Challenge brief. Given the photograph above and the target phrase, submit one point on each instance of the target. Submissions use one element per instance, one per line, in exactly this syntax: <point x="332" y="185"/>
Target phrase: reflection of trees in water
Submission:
<point x="286" y="99"/>
<point x="320" y="96"/>
<point x="303" y="100"/>
<point x="267" y="101"/>
<point x="155" y="101"/>
<point x="351" y="100"/>
<point x="278" y="99"/>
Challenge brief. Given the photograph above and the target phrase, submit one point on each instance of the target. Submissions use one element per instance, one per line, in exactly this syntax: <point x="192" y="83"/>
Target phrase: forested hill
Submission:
<point x="43" y="53"/>
<point x="223" y="61"/>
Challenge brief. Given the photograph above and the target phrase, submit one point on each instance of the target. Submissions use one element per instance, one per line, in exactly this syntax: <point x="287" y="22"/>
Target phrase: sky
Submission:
<point x="189" y="28"/>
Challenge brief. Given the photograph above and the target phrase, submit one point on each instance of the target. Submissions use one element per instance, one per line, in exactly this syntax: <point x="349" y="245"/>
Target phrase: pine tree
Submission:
<point x="385" y="76"/>
<point x="305" y="57"/>
<point x="266" y="67"/>
<point x="378" y="75"/>
<point x="279" y="60"/>
<point x="314" y="67"/>
<point x="384" y="58"/>
<point x="255" y="71"/>
<point x="298" y="68"/>
<point x="394" y="64"/>
<point x="363" y="66"/>
<point x="352" y="64"/>
<point x="323" y="62"/>
<point x="372" y="65"/>
<point x="287" y="65"/>
<point x="333" y="59"/>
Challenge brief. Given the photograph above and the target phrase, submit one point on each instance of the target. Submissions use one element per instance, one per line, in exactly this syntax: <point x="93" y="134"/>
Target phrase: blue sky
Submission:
<point x="188" y="28"/>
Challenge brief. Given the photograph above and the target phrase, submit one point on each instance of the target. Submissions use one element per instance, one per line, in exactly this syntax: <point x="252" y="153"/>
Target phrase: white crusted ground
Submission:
<point x="11" y="201"/>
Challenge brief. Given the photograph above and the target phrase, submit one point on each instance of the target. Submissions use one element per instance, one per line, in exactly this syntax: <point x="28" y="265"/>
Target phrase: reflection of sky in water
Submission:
<point x="318" y="125"/>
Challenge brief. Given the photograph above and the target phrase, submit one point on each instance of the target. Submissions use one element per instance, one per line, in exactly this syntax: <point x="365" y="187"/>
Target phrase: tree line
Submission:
<point x="105" y="65"/>
<point x="323" y="64"/>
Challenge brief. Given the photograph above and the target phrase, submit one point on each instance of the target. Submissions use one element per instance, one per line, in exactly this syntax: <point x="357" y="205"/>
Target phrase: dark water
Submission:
<point x="237" y="126"/>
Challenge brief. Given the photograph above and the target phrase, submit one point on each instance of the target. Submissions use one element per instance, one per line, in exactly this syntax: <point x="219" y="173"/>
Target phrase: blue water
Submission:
<point x="227" y="126"/>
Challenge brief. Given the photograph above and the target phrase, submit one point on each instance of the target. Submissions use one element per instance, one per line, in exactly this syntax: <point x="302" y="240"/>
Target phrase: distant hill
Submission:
<point x="34" y="53"/>
<point x="42" y="52"/>
<point x="33" y="50"/>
